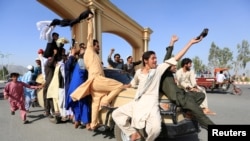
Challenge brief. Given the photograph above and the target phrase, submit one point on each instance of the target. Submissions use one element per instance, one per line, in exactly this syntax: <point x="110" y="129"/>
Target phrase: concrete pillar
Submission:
<point x="146" y="38"/>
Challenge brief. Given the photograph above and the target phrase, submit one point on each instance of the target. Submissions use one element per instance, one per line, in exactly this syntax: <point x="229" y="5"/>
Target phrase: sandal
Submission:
<point x="93" y="128"/>
<point x="105" y="106"/>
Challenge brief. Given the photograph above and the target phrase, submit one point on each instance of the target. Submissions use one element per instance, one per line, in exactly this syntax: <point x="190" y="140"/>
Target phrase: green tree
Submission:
<point x="243" y="54"/>
<point x="225" y="58"/>
<point x="219" y="57"/>
<point x="3" y="73"/>
<point x="213" y="56"/>
<point x="197" y="64"/>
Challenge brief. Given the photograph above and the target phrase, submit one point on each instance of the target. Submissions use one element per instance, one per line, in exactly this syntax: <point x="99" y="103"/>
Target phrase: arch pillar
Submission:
<point x="108" y="19"/>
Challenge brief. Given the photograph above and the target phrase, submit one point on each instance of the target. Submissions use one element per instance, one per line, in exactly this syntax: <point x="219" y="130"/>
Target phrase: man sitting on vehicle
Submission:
<point x="220" y="78"/>
<point x="189" y="101"/>
<point x="186" y="80"/>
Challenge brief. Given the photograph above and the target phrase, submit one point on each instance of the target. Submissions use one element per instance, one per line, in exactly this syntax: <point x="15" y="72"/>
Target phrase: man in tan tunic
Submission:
<point x="103" y="90"/>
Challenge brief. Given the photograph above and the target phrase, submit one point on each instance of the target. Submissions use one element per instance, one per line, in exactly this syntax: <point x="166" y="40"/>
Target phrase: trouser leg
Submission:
<point x="27" y="101"/>
<point x="197" y="96"/>
<point x="76" y="110"/>
<point x="96" y="98"/>
<point x="85" y="107"/>
<point x="169" y="88"/>
<point x="51" y="105"/>
<point x="55" y="105"/>
<point x="122" y="116"/>
<point x="13" y="106"/>
<point x="196" y="110"/>
<point x="22" y="111"/>
<point x="104" y="91"/>
<point x="45" y="100"/>
<point x="110" y="86"/>
<point x="204" y="104"/>
<point x="61" y="102"/>
<point x="153" y="124"/>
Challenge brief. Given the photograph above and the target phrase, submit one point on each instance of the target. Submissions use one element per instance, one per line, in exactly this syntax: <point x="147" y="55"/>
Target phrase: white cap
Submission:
<point x="30" y="67"/>
<point x="171" y="61"/>
<point x="61" y="40"/>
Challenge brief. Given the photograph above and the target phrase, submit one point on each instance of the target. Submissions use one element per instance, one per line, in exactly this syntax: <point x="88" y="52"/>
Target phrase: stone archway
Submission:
<point x="108" y="19"/>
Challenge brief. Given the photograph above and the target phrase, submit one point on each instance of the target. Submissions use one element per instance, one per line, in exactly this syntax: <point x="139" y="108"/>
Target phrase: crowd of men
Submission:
<point x="76" y="89"/>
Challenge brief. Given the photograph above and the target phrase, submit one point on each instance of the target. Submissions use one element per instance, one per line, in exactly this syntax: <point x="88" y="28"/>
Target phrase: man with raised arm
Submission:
<point x="144" y="109"/>
<point x="103" y="90"/>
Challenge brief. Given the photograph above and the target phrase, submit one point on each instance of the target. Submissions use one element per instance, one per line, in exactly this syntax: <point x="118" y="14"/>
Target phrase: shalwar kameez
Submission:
<point x="144" y="109"/>
<point x="28" y="93"/>
<point x="14" y="90"/>
<point x="80" y="108"/>
<point x="102" y="89"/>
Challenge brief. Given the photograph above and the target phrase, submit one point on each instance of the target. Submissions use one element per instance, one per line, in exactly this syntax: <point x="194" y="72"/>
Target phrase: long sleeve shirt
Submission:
<point x="117" y="65"/>
<point x="15" y="92"/>
<point x="186" y="79"/>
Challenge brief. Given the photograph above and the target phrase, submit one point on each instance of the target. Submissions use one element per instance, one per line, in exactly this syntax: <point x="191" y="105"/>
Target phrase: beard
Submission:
<point x="187" y="68"/>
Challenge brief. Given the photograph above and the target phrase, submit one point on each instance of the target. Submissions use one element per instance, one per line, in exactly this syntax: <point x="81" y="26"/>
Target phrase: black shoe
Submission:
<point x="46" y="114"/>
<point x="58" y="119"/>
<point x="55" y="120"/>
<point x="36" y="104"/>
<point x="82" y="126"/>
<point x="33" y="104"/>
<point x="26" y="122"/>
<point x="12" y="112"/>
<point x="50" y="116"/>
<point x="203" y="34"/>
<point x="85" y="15"/>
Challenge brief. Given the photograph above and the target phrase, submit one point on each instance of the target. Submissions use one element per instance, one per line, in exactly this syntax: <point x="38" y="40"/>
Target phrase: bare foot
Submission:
<point x="126" y="86"/>
<point x="77" y="124"/>
<point x="88" y="126"/>
<point x="135" y="136"/>
<point x="207" y="111"/>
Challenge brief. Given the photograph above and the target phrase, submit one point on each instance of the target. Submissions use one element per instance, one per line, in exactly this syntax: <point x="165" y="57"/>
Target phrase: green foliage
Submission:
<point x="3" y="73"/>
<point x="247" y="79"/>
<point x="213" y="55"/>
<point x="221" y="58"/>
<point x="226" y="58"/>
<point x="197" y="64"/>
<point x="243" y="53"/>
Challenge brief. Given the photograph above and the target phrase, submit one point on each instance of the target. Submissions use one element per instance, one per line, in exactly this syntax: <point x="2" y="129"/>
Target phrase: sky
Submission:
<point x="228" y="22"/>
